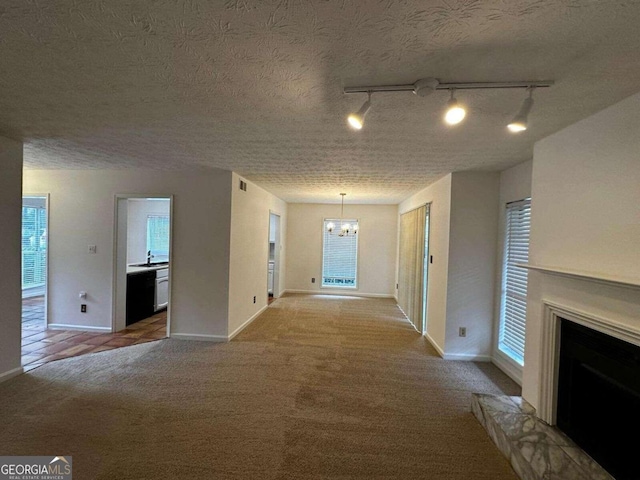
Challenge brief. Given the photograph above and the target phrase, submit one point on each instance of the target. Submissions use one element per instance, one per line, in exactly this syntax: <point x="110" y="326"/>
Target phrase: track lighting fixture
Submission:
<point x="356" y="120"/>
<point x="455" y="112"/>
<point x="519" y="122"/>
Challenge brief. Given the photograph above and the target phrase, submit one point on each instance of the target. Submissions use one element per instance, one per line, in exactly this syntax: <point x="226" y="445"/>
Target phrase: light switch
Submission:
<point x="93" y="249"/>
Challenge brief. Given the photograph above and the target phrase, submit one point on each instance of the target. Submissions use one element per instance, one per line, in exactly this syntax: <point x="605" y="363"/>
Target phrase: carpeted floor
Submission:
<point x="316" y="387"/>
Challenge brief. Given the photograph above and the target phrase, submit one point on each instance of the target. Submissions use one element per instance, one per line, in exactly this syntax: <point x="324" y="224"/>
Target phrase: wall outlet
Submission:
<point x="462" y="332"/>
<point x="93" y="249"/>
<point x="83" y="308"/>
<point x="313" y="279"/>
<point x="254" y="299"/>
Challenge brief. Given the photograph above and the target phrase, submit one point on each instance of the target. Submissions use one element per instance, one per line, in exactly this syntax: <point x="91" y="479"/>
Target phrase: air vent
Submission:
<point x="243" y="185"/>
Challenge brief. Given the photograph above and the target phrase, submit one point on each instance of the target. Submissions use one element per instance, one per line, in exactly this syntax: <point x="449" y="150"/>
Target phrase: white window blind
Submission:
<point x="339" y="256"/>
<point x="514" y="280"/>
<point x="158" y="236"/>
<point x="34" y="246"/>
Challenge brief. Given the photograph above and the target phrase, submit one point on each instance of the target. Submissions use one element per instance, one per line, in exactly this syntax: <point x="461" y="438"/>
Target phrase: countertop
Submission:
<point x="132" y="269"/>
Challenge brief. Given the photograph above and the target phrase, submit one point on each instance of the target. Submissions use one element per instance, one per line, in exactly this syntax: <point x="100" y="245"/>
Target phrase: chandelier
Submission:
<point x="345" y="228"/>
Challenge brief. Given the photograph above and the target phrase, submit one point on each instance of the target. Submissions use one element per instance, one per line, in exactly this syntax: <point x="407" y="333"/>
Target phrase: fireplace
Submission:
<point x="598" y="396"/>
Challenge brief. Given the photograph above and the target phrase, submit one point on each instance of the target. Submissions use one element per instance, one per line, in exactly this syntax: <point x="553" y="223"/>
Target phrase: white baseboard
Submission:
<point x="508" y="368"/>
<point x="82" y="328"/>
<point x="246" y="324"/>
<point x="345" y="293"/>
<point x="10" y="374"/>
<point x="466" y="357"/>
<point x="199" y="337"/>
<point x="435" y="345"/>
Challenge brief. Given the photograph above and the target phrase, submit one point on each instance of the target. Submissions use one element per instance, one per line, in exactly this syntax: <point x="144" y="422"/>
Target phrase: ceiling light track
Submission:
<point x="455" y="112"/>
<point x="433" y="84"/>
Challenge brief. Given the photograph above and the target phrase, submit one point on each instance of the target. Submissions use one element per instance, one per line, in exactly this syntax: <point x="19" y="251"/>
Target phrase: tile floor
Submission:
<point x="40" y="345"/>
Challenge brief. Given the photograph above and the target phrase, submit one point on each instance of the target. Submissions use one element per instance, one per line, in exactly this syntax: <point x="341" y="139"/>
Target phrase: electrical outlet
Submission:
<point x="462" y="332"/>
<point x="83" y="308"/>
<point x="254" y="299"/>
<point x="313" y="279"/>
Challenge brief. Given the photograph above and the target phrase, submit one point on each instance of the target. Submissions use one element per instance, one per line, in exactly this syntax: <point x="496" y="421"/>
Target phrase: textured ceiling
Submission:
<point x="256" y="86"/>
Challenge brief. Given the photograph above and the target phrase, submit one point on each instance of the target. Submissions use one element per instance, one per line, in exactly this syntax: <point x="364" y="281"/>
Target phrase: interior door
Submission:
<point x="411" y="266"/>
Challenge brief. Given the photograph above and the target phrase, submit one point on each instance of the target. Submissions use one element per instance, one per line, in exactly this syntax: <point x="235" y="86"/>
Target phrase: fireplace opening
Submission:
<point x="599" y="397"/>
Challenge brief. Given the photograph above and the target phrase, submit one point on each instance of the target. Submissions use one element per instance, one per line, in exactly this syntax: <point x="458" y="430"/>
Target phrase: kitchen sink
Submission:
<point x="152" y="264"/>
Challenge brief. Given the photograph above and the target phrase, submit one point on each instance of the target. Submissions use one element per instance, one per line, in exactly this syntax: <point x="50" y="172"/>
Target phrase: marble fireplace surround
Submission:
<point x="526" y="433"/>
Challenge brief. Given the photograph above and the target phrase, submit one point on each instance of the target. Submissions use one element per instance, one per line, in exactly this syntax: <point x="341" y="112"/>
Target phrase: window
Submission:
<point x="339" y="256"/>
<point x="34" y="246"/>
<point x="158" y="236"/>
<point x="513" y="311"/>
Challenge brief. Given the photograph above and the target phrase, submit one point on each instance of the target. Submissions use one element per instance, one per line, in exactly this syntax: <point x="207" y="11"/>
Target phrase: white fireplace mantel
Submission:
<point x="548" y="380"/>
<point x="589" y="276"/>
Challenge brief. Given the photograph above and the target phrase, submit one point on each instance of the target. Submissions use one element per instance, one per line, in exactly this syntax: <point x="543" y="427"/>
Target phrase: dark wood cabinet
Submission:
<point x="141" y="290"/>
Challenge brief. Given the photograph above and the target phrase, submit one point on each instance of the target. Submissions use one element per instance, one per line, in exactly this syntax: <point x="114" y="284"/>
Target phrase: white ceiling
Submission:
<point x="256" y="86"/>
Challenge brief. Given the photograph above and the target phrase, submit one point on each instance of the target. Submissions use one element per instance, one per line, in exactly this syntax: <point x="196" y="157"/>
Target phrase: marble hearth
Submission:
<point x="536" y="450"/>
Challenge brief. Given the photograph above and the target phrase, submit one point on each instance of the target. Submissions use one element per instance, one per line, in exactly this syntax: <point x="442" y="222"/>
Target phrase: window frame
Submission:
<point x="352" y="221"/>
<point x="506" y="353"/>
<point x="162" y="255"/>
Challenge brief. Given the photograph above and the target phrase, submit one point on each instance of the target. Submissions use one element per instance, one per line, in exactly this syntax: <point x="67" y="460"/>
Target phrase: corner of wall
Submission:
<point x="10" y="280"/>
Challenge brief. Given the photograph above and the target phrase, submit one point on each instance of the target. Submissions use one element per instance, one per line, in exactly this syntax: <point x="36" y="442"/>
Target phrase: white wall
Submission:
<point x="515" y="184"/>
<point x="472" y="261"/>
<point x="585" y="217"/>
<point x="377" y="240"/>
<point x="439" y="195"/>
<point x="249" y="251"/>
<point x="137" y="212"/>
<point x="10" y="279"/>
<point x="82" y="205"/>
<point x="463" y="235"/>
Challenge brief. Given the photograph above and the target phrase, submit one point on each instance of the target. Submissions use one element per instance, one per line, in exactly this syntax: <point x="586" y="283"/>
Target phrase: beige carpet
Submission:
<point x="317" y="387"/>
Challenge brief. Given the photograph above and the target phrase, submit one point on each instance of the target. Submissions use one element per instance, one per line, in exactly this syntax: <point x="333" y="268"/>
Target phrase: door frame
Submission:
<point x="276" y="254"/>
<point x="46" y="197"/>
<point x="425" y="274"/>
<point x="119" y="267"/>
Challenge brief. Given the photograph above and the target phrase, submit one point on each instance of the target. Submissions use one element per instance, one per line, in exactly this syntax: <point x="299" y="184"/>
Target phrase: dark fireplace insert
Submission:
<point x="599" y="397"/>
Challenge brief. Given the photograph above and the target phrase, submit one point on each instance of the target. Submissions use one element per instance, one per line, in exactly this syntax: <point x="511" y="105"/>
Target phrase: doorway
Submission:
<point x="34" y="252"/>
<point x="413" y="266"/>
<point x="273" y="267"/>
<point x="142" y="266"/>
<point x="425" y="279"/>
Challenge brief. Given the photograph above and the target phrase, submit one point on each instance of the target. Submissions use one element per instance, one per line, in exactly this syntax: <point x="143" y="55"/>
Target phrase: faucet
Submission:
<point x="149" y="257"/>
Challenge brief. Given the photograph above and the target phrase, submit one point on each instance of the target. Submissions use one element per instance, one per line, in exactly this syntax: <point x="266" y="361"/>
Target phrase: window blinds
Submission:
<point x="339" y="256"/>
<point x="158" y="235"/>
<point x="514" y="280"/>
<point x="34" y="246"/>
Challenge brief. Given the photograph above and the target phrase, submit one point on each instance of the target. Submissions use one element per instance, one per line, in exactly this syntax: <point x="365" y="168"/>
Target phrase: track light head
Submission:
<point x="520" y="121"/>
<point x="455" y="112"/>
<point x="356" y="120"/>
